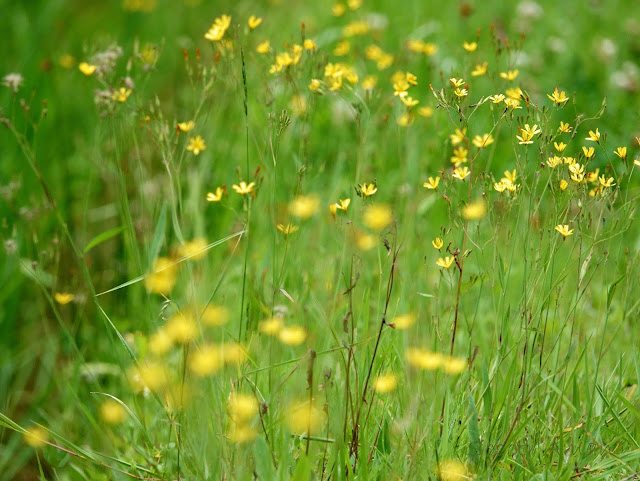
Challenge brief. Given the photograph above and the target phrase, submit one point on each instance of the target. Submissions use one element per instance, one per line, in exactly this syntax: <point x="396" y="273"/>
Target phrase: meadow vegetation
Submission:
<point x="287" y="240"/>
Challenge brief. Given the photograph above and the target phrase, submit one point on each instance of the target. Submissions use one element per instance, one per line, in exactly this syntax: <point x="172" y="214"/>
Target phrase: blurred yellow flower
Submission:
<point x="458" y="136"/>
<point x="205" y="361"/>
<point x="309" y="44"/>
<point x="271" y="327"/>
<point x="470" y="46"/>
<point x="593" y="136"/>
<point x="404" y="321"/>
<point x="149" y="375"/>
<point x="437" y="243"/>
<point x="454" y="365"/>
<point x="254" y="21"/>
<point x="563" y="184"/>
<point x="292" y="335"/>
<point x="588" y="153"/>
<point x="215" y="315"/>
<point x="475" y="210"/>
<point x="182" y="327"/>
<point x="425" y="111"/>
<point x="314" y="85"/>
<point x="112" y="412"/>
<point x="453" y="470"/>
<point x="338" y="9"/>
<point x="86" y="68"/>
<point x="186" y="126"/>
<point x="67" y="61"/>
<point x="564" y="127"/>
<point x="304" y="206"/>
<point x="305" y="418"/>
<point x="63" y="298"/>
<point x="287" y="229"/>
<point x="35" y="436"/>
<point x="509" y="75"/>
<point x="162" y="277"/>
<point x="121" y="95"/>
<point x="218" y="29"/>
<point x="263" y="47"/>
<point x="377" y="216"/>
<point x="385" y="383"/>
<point x="560" y="146"/>
<point x="424" y="360"/>
<point x="242" y="407"/>
<point x="241" y="433"/>
<point x="621" y="152"/>
<point x="194" y="249"/>
<point x="461" y="172"/>
<point x="480" y="70"/>
<point x="481" y="141"/>
<point x="160" y="342"/>
<point x="456" y="82"/>
<point x="558" y="97"/>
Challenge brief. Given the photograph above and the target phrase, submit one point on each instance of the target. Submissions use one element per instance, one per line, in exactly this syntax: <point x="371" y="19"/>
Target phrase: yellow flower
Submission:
<point x="564" y="127"/>
<point x="369" y="82"/>
<point x="636" y="162"/>
<point x="338" y="9"/>
<point x="206" y="360"/>
<point x="385" y="383"/>
<point x="343" y="204"/>
<point x="87" y="68"/>
<point x="287" y="229"/>
<point x="242" y="407"/>
<point x="424" y="360"/>
<point x="500" y="186"/>
<point x="215" y="315"/>
<point x="437" y="243"/>
<point x="149" y="375"/>
<point x="480" y="70"/>
<point x="377" y="216"/>
<point x="160" y="342"/>
<point x="512" y="103"/>
<point x="309" y="44"/>
<point x="458" y="137"/>
<point x="461" y="92"/>
<point x="470" y="47"/>
<point x="182" y="327"/>
<point x="162" y="277"/>
<point x="314" y="85"/>
<point x="461" y="172"/>
<point x="475" y="210"/>
<point x="304" y="206"/>
<point x="621" y="152"/>
<point x="425" y="111"/>
<point x="305" y="417"/>
<point x="292" y="335"/>
<point x="194" y="249"/>
<point x="409" y="101"/>
<point x="405" y="119"/>
<point x="342" y="48"/>
<point x="482" y="141"/>
<point x="186" y="126"/>
<point x="496" y="99"/>
<point x="112" y="412"/>
<point x="509" y="75"/>
<point x="218" y="29"/>
<point x="354" y="4"/>
<point x="588" y="153"/>
<point x="241" y="433"/>
<point x="605" y="183"/>
<point x="446" y="262"/>
<point x="63" y="298"/>
<point x="429" y="49"/>
<point x="263" y="47"/>
<point x="564" y="230"/>
<point x="515" y="93"/>
<point x="271" y="327"/>
<point x="254" y="21"/>
<point x="196" y="145"/>
<point x="558" y="97"/>
<point x="365" y="242"/>
<point x="456" y="82"/>
<point x="215" y="197"/>
<point x="459" y="156"/>
<point x="593" y="136"/>
<point x="454" y="365"/>
<point x="404" y="321"/>
<point x="36" y="437"/>
<point x="453" y="470"/>
<point x="563" y="185"/>
<point x="432" y="184"/>
<point x="560" y="146"/>
<point x="67" y="61"/>
<point x="526" y="134"/>
<point x="368" y="189"/>
<point x="243" y="188"/>
<point x="121" y="95"/>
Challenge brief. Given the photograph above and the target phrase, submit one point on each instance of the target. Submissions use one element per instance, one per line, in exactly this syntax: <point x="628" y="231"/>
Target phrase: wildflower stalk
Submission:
<point x="383" y="322"/>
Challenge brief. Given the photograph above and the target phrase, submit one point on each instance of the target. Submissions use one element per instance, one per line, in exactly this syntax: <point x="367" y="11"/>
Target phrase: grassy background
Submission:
<point x="521" y="284"/>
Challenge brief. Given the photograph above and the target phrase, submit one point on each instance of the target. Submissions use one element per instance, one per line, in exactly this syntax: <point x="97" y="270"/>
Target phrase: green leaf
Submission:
<point x="303" y="469"/>
<point x="612" y="289"/>
<point x="264" y="463"/>
<point x="158" y="235"/>
<point x="100" y="238"/>
<point x="475" y="448"/>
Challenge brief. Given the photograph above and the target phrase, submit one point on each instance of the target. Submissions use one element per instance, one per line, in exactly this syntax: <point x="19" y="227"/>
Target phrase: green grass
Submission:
<point x="96" y="193"/>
